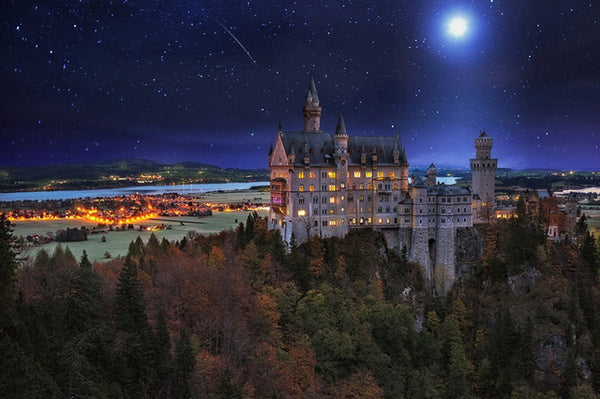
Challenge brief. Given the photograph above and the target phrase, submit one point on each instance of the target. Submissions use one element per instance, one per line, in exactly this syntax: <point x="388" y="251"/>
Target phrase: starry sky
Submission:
<point x="209" y="81"/>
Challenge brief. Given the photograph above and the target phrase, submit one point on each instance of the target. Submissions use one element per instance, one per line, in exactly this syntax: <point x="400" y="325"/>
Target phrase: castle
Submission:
<point x="327" y="185"/>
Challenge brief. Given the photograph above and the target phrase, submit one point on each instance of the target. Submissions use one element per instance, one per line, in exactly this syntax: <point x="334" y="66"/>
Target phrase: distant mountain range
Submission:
<point x="112" y="174"/>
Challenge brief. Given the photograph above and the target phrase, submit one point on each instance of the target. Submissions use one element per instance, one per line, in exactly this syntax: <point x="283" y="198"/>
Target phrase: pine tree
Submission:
<point x="161" y="362"/>
<point x="182" y="368"/>
<point x="85" y="262"/>
<point x="8" y="267"/>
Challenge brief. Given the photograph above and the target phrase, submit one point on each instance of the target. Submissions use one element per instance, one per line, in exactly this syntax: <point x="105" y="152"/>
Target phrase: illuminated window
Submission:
<point x="369" y="186"/>
<point x="395" y="186"/>
<point x="342" y="198"/>
<point x="342" y="221"/>
<point x="333" y="222"/>
<point x="301" y="175"/>
<point x="331" y="174"/>
<point x="301" y="188"/>
<point x="362" y="198"/>
<point x="301" y="212"/>
<point x="332" y="187"/>
<point x="311" y="188"/>
<point x="380" y="220"/>
<point x="332" y="200"/>
<point x="312" y="175"/>
<point x="379" y="173"/>
<point x="369" y="221"/>
<point x="342" y="185"/>
<point x="390" y="174"/>
<point x="387" y="220"/>
<point x="356" y="174"/>
<point x="368" y="174"/>
<point x="285" y="175"/>
<point x="343" y="210"/>
<point x="362" y="186"/>
<point x="332" y="211"/>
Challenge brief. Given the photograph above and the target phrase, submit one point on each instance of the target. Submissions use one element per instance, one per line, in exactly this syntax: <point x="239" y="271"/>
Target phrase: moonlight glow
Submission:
<point x="457" y="26"/>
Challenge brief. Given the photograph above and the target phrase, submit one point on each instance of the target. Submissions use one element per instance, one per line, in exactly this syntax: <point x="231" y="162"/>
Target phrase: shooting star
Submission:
<point x="238" y="42"/>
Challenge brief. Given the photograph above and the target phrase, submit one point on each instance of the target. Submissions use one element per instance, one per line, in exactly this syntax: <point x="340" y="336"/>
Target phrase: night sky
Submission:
<point x="208" y="81"/>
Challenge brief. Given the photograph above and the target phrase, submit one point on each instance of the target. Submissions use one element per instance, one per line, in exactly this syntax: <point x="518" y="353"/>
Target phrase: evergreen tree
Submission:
<point x="183" y="367"/>
<point x="136" y="337"/>
<point x="8" y="266"/>
<point x="85" y="262"/>
<point x="161" y="362"/>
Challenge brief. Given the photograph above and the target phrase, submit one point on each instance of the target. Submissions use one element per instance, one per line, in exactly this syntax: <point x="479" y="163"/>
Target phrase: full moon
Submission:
<point x="457" y="27"/>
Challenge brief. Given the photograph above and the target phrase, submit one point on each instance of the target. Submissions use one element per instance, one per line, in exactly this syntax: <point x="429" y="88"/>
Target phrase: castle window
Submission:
<point x="368" y="198"/>
<point x="333" y="223"/>
<point x="315" y="211"/>
<point x="406" y="220"/>
<point x="350" y="198"/>
<point x="387" y="209"/>
<point x="332" y="187"/>
<point x="342" y="185"/>
<point x="464" y="199"/>
<point x="380" y="220"/>
<point x="457" y="210"/>
<point x="353" y="221"/>
<point x="324" y="223"/>
<point x="301" y="188"/>
<point x="324" y="200"/>
<point x="332" y="200"/>
<point x="301" y="212"/>
<point x="300" y="175"/>
<point x="379" y="210"/>
<point x="395" y="220"/>
<point x="443" y="220"/>
<point x="443" y="210"/>
<point x="342" y="198"/>
<point x="332" y="211"/>
<point x="395" y="209"/>
<point x="362" y="198"/>
<point x="465" y="220"/>
<point x="324" y="187"/>
<point x="379" y="173"/>
<point x="369" y="174"/>
<point x="395" y="198"/>
<point x="450" y="200"/>
<point x="342" y="221"/>
<point x="301" y="200"/>
<point x="458" y="199"/>
<point x="285" y="175"/>
<point x="316" y="223"/>
<point x="315" y="200"/>
<point x="362" y="220"/>
<point x="387" y="220"/>
<point x="391" y="174"/>
<point x="356" y="174"/>
<point x="331" y="174"/>
<point x="443" y="199"/>
<point x="395" y="186"/>
<point x="421" y="200"/>
<point x="323" y="211"/>
<point x="354" y="187"/>
<point x="311" y="175"/>
<point x="420" y="210"/>
<point x="311" y="188"/>
<point x="362" y="186"/>
<point x="369" y="220"/>
<point x="465" y="210"/>
<point x="380" y="186"/>
<point x="343" y="209"/>
<point x="323" y="174"/>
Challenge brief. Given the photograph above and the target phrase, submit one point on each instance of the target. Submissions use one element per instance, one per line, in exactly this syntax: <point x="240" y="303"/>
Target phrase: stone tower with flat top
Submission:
<point x="483" y="172"/>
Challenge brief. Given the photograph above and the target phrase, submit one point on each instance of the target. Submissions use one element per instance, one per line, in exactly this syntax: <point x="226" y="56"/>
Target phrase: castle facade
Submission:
<point x="327" y="185"/>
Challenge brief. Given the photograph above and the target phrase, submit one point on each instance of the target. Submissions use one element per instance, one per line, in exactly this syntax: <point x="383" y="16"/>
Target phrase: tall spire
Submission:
<point x="312" y="91"/>
<point x="311" y="109"/>
<point x="340" y="129"/>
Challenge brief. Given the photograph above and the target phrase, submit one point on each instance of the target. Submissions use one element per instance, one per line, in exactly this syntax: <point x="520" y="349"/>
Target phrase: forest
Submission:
<point x="241" y="314"/>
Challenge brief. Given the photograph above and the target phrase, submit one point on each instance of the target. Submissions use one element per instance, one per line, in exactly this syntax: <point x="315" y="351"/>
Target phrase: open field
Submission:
<point x="117" y="242"/>
<point x="593" y="218"/>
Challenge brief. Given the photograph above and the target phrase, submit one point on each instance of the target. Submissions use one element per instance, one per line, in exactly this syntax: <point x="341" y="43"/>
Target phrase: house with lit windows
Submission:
<point x="326" y="185"/>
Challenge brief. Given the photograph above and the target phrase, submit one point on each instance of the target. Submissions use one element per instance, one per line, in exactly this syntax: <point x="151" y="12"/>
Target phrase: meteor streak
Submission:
<point x="238" y="42"/>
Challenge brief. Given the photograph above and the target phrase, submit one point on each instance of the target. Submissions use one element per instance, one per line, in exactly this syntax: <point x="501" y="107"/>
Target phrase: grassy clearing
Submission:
<point x="117" y="242"/>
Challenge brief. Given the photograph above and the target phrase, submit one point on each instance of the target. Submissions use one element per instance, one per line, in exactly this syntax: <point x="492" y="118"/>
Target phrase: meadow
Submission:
<point x="117" y="242"/>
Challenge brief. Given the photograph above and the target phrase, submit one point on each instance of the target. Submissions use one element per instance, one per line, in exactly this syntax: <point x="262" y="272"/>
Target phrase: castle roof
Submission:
<point x="319" y="146"/>
<point x="483" y="135"/>
<point x="442" y="189"/>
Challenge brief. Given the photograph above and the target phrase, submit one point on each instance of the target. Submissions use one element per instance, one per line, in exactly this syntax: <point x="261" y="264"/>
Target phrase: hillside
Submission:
<point x="113" y="174"/>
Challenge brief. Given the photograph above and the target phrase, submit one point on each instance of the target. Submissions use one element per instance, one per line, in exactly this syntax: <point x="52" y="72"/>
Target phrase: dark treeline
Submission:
<point x="239" y="314"/>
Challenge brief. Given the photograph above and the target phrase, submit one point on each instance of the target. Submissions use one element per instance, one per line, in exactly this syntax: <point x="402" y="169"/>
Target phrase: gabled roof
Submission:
<point x="319" y="146"/>
<point x="442" y="189"/>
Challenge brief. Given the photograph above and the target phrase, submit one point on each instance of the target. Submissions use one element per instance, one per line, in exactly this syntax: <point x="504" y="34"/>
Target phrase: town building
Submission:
<point x="327" y="185"/>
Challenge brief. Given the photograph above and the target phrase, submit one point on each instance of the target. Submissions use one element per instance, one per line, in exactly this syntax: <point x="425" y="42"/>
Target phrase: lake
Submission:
<point x="124" y="191"/>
